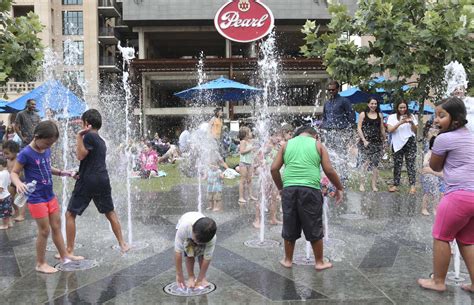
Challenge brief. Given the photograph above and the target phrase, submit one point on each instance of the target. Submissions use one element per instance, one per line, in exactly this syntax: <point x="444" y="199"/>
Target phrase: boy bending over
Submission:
<point x="196" y="238"/>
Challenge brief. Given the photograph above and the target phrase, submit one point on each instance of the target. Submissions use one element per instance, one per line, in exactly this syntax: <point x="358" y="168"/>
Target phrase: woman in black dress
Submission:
<point x="372" y="137"/>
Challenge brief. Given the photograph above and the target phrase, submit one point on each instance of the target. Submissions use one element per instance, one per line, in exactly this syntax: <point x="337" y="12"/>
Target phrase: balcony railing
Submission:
<point x="107" y="3"/>
<point x="18" y="87"/>
<point x="109" y="8"/>
<point x="107" y="61"/>
<point x="106" y="31"/>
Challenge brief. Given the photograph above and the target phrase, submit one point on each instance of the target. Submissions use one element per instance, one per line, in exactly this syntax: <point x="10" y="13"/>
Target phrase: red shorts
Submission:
<point x="43" y="209"/>
<point x="455" y="218"/>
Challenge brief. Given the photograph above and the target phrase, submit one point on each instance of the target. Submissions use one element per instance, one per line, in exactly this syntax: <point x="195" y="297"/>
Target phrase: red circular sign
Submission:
<point x="244" y="20"/>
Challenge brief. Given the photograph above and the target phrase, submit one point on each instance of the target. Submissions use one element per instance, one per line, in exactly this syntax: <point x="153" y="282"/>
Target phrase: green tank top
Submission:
<point x="248" y="157"/>
<point x="302" y="163"/>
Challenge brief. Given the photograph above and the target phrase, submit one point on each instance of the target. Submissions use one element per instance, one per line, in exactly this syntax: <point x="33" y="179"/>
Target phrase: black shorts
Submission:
<point x="82" y="196"/>
<point x="302" y="209"/>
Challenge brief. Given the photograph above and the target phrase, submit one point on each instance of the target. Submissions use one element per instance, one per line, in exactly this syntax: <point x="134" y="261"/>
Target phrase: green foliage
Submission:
<point x="21" y="52"/>
<point x="410" y="40"/>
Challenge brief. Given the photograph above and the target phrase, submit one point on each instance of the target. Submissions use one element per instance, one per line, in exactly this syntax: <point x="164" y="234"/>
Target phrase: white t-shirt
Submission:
<point x="184" y="231"/>
<point x="4" y="183"/>
<point x="401" y="135"/>
<point x="184" y="140"/>
<point x="469" y="102"/>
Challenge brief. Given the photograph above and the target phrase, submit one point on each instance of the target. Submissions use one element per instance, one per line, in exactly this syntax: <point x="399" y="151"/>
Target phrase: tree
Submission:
<point x="410" y="40"/>
<point x="21" y="52"/>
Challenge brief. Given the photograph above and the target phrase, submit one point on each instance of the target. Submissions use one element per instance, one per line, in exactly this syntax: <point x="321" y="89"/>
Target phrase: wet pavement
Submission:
<point x="377" y="257"/>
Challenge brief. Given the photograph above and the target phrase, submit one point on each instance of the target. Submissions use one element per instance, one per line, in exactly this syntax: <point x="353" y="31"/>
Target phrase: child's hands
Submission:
<point x="70" y="173"/>
<point x="339" y="196"/>
<point x="191" y="282"/>
<point x="21" y="188"/>
<point x="85" y="130"/>
<point x="180" y="281"/>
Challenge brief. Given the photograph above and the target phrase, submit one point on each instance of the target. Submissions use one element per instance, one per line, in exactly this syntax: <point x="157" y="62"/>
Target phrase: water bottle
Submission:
<point x="21" y="199"/>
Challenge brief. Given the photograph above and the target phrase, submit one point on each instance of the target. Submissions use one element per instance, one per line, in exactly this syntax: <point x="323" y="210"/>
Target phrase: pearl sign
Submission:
<point x="244" y="20"/>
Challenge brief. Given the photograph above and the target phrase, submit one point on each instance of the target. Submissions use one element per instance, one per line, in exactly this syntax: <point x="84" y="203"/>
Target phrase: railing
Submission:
<point x="107" y="61"/>
<point x="119" y="22"/>
<point x="106" y="31"/>
<point x="17" y="87"/>
<point x="107" y="3"/>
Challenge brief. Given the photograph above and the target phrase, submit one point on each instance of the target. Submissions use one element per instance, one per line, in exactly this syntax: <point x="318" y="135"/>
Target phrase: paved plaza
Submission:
<point x="379" y="244"/>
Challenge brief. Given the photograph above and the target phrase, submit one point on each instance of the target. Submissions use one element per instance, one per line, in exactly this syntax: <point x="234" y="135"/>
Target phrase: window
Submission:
<point x="74" y="77"/>
<point x="22" y="10"/>
<point x="74" y="80"/>
<point x="72" y="2"/>
<point x="72" y="23"/>
<point x="73" y="52"/>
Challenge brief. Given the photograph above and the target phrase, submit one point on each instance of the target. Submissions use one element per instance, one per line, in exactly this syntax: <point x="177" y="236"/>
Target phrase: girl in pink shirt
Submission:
<point x="149" y="161"/>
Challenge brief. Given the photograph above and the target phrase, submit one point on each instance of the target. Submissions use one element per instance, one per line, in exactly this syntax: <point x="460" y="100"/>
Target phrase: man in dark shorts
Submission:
<point x="300" y="190"/>
<point x="93" y="182"/>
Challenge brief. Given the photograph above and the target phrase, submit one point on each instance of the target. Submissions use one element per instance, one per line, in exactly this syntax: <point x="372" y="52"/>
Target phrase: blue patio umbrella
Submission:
<point x="356" y="96"/>
<point x="52" y="95"/>
<point x="413" y="106"/>
<point x="219" y="90"/>
<point x="386" y="108"/>
<point x="380" y="80"/>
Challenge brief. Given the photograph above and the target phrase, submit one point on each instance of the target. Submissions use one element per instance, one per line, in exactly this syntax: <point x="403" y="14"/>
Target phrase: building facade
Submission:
<point x="92" y="28"/>
<point x="173" y="33"/>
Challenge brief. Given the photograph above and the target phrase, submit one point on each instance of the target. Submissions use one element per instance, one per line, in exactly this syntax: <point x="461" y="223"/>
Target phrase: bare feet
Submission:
<point x="374" y="189"/>
<point x="191" y="282"/>
<point x="124" y="248"/>
<point x="322" y="265"/>
<point x="242" y="202"/>
<point x="216" y="210"/>
<point x="253" y="198"/>
<point x="412" y="190"/>
<point x="202" y="284"/>
<point x="45" y="268"/>
<point x="66" y="260"/>
<point x="362" y="188"/>
<point x="256" y="224"/>
<point x="70" y="256"/>
<point x="468" y="288"/>
<point x="10" y="223"/>
<point x="430" y="284"/>
<point x="19" y="219"/>
<point x="75" y="257"/>
<point x="286" y="263"/>
<point x="425" y="212"/>
<point x="392" y="189"/>
<point x="209" y="208"/>
<point x="276" y="222"/>
<point x="3" y="227"/>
